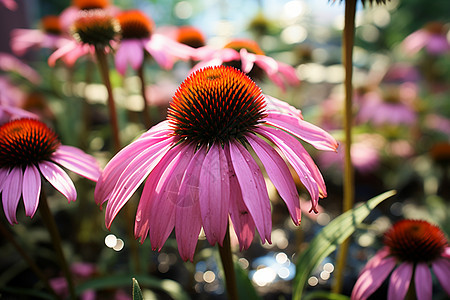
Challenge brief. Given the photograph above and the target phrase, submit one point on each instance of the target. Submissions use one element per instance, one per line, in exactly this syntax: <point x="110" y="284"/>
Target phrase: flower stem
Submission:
<point x="347" y="50"/>
<point x="50" y="223"/>
<point x="145" y="112"/>
<point x="228" y="266"/>
<point x="8" y="236"/>
<point x="104" y="72"/>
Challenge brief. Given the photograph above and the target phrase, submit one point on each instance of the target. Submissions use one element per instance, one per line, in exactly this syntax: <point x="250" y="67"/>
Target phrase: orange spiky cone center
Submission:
<point x="135" y="24"/>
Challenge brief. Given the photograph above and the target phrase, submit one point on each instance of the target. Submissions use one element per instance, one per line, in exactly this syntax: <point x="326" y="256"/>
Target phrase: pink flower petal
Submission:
<point x="242" y="220"/>
<point x="164" y="196"/>
<point x="188" y="208"/>
<point x="31" y="190"/>
<point x="423" y="282"/>
<point x="61" y="52"/>
<point x="59" y="179"/>
<point x="156" y="47"/>
<point x="296" y="154"/>
<point x="3" y="174"/>
<point x="254" y="190"/>
<point x="132" y="177"/>
<point x="399" y="281"/>
<point x="130" y="51"/>
<point x="214" y="189"/>
<point x="376" y="259"/>
<point x="279" y="174"/>
<point x="78" y="162"/>
<point x="441" y="268"/>
<point x="371" y="279"/>
<point x="289" y="73"/>
<point x="308" y="132"/>
<point x="12" y="189"/>
<point x="274" y="104"/>
<point x="247" y="60"/>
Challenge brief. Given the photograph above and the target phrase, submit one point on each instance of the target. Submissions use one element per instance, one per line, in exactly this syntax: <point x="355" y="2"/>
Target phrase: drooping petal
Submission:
<point x="254" y="190"/>
<point x="399" y="281"/>
<point x="441" y="268"/>
<point x="164" y="197"/>
<point x="274" y="104"/>
<point x="130" y="51"/>
<point x="59" y="179"/>
<point x="289" y="73"/>
<point x="156" y="47"/>
<point x="279" y="174"/>
<point x="296" y="154"/>
<point x="144" y="214"/>
<point x="242" y="220"/>
<point x="117" y="165"/>
<point x="247" y="60"/>
<point x="12" y="189"/>
<point x="376" y="259"/>
<point x="132" y="177"/>
<point x="188" y="208"/>
<point x="77" y="161"/>
<point x="371" y="279"/>
<point x="31" y="190"/>
<point x="423" y="282"/>
<point x="306" y="131"/>
<point x="61" y="52"/>
<point x="3" y="173"/>
<point x="214" y="194"/>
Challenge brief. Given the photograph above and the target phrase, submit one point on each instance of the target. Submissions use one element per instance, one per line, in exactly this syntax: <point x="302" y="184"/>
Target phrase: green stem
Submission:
<point x="50" y="223"/>
<point x="145" y="112"/>
<point x="104" y="72"/>
<point x="347" y="49"/>
<point x="8" y="236"/>
<point x="226" y="257"/>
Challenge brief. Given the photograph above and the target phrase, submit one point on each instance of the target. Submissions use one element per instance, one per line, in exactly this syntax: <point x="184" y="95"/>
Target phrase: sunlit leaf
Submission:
<point x="137" y="293"/>
<point x="329" y="238"/>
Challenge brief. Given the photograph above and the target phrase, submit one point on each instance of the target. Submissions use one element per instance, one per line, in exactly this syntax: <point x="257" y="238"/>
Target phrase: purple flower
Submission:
<point x="199" y="168"/>
<point x="29" y="149"/>
<point x="433" y="37"/>
<point x="412" y="247"/>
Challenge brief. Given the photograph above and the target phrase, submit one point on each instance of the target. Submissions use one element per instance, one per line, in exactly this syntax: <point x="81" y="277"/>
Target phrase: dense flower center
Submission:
<point x="216" y="104"/>
<point x="190" y="36"/>
<point x="415" y="241"/>
<point x="50" y="24"/>
<point x="25" y="142"/>
<point x="90" y="4"/>
<point x="95" y="27"/>
<point x="249" y="45"/>
<point x="135" y="24"/>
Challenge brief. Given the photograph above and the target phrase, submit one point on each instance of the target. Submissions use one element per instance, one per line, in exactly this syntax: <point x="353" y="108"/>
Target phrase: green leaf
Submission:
<point x="170" y="287"/>
<point x="246" y="290"/>
<point x="329" y="238"/>
<point x="322" y="295"/>
<point x="137" y="293"/>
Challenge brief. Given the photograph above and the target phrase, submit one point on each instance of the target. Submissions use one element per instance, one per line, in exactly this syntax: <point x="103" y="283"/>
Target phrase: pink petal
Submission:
<point x="279" y="174"/>
<point x="423" y="282"/>
<point x="129" y="51"/>
<point x="308" y="132"/>
<point x="119" y="163"/>
<point x="12" y="189"/>
<point x="188" y="208"/>
<point x="254" y="190"/>
<point x="155" y="46"/>
<point x="31" y="190"/>
<point x="227" y="54"/>
<point x="274" y="104"/>
<point x="441" y="268"/>
<point x="61" y="52"/>
<point x="296" y="154"/>
<point x="371" y="279"/>
<point x="399" y="281"/>
<point x="214" y="189"/>
<point x="146" y="203"/>
<point x="78" y="162"/>
<point x="289" y="73"/>
<point x="3" y="174"/>
<point x="59" y="179"/>
<point x="415" y="41"/>
<point x="165" y="195"/>
<point x="376" y="259"/>
<point x="132" y="177"/>
<point x="243" y="223"/>
<point x="247" y="60"/>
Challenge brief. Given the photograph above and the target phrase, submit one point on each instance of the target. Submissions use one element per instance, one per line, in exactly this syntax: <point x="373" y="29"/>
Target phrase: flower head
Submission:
<point x="138" y="38"/>
<point x="246" y="55"/>
<point x="415" y="246"/>
<point x="28" y="148"/>
<point x="199" y="167"/>
<point x="191" y="36"/>
<point x="90" y="4"/>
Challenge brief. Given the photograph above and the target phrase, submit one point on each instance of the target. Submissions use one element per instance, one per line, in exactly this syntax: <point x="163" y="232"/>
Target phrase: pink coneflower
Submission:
<point x="49" y="36"/>
<point x="93" y="29"/>
<point x="414" y="246"/>
<point x="12" y="100"/>
<point x="247" y="56"/>
<point x="432" y="38"/>
<point x="10" y="63"/>
<point x="28" y="148"/>
<point x="391" y="106"/>
<point x="138" y="39"/>
<point x="199" y="167"/>
<point x="191" y="36"/>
